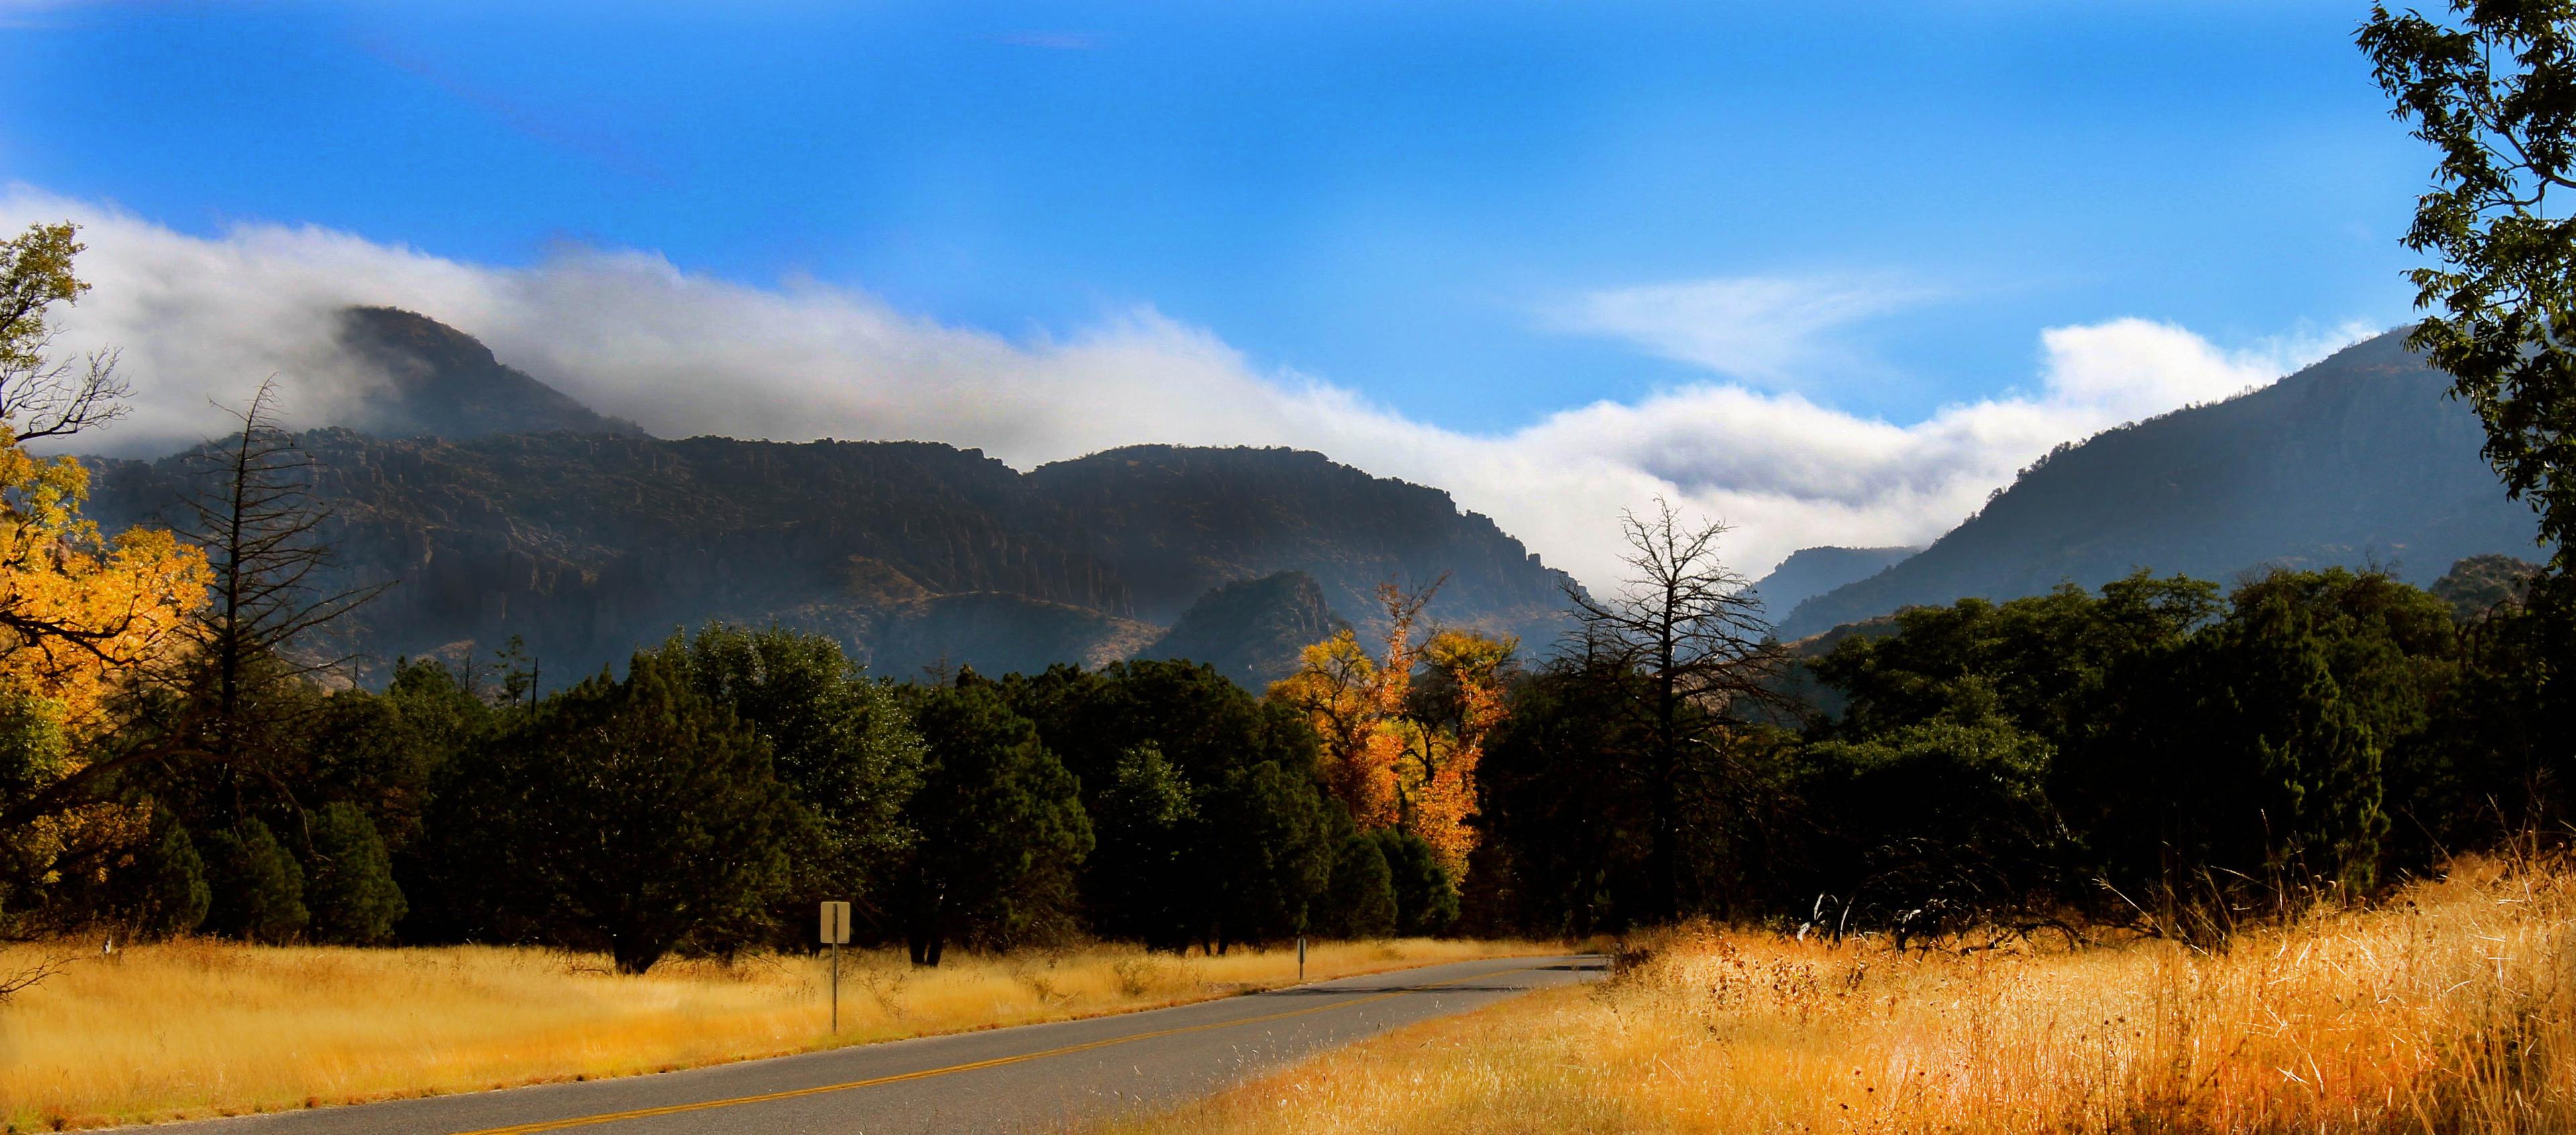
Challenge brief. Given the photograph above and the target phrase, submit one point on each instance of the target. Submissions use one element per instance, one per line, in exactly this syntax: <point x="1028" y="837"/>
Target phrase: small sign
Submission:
<point x="836" y="924"/>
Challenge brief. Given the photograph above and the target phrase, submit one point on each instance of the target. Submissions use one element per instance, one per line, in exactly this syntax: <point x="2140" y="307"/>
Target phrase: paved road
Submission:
<point x="1038" y="1077"/>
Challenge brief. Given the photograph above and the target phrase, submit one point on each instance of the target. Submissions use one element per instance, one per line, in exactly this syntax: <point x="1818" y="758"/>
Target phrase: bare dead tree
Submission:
<point x="21" y="978"/>
<point x="1690" y="627"/>
<point x="253" y="509"/>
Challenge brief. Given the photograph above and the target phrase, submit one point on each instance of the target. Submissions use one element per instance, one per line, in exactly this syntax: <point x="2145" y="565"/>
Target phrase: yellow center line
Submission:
<point x="737" y="1101"/>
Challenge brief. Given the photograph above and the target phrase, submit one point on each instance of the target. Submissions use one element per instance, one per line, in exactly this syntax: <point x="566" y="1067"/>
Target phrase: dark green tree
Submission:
<point x="1002" y="832"/>
<point x="841" y="743"/>
<point x="1144" y="881"/>
<point x="351" y="892"/>
<point x="383" y="752"/>
<point x="2329" y="677"/>
<point x="617" y="815"/>
<point x="257" y="888"/>
<point x="1268" y="852"/>
<point x="165" y="886"/>
<point x="1359" y="902"/>
<point x="1934" y="824"/>
<point x="1426" y="898"/>
<point x="1252" y="854"/>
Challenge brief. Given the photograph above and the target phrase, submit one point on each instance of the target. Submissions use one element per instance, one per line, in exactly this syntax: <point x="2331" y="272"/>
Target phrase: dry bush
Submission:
<point x="201" y="1028"/>
<point x="2446" y="1009"/>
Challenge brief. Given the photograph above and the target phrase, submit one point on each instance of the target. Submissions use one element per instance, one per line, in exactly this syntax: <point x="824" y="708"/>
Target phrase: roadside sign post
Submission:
<point x="836" y="933"/>
<point x="1301" y="959"/>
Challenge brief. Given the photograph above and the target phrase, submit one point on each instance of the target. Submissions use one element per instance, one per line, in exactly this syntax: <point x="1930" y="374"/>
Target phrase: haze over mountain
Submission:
<point x="1810" y="572"/>
<point x="2359" y="460"/>
<point x="589" y="539"/>
<point x="441" y="382"/>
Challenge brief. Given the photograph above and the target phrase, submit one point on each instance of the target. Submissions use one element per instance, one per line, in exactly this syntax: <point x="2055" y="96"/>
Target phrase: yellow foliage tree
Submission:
<point x="81" y="614"/>
<point x="1402" y="731"/>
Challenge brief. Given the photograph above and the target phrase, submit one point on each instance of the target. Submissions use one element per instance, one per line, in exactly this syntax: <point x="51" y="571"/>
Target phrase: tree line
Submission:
<point x="2158" y="754"/>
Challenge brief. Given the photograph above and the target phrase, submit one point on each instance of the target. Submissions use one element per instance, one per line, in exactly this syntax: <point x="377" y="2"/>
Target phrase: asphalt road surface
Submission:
<point x="1034" y="1077"/>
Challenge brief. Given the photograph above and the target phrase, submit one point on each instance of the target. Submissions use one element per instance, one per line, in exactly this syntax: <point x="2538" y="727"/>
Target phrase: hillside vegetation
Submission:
<point x="910" y="554"/>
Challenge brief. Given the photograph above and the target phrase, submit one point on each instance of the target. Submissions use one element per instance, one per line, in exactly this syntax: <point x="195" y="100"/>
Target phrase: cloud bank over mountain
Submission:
<point x="635" y="336"/>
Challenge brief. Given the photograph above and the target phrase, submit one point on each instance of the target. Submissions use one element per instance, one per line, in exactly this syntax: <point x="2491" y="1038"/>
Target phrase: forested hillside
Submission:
<point x="590" y="539"/>
<point x="2359" y="460"/>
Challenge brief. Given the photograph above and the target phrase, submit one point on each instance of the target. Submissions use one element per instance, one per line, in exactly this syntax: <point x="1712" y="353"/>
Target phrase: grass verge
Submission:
<point x="191" y="1029"/>
<point x="2448" y="1009"/>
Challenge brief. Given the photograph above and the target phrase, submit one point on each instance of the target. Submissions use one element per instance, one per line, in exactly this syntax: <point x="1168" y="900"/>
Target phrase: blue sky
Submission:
<point x="1831" y="271"/>
<point x="1399" y="198"/>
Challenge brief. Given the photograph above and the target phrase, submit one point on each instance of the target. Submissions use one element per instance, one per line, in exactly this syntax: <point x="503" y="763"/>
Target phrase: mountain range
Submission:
<point x="2360" y="460"/>
<point x="500" y="507"/>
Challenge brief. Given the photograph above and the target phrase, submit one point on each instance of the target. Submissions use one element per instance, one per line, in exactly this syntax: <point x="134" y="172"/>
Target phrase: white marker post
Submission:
<point x="836" y="933"/>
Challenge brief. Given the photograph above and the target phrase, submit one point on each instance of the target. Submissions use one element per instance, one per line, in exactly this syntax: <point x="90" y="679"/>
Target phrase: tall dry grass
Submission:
<point x="197" y="1028"/>
<point x="2449" y="1009"/>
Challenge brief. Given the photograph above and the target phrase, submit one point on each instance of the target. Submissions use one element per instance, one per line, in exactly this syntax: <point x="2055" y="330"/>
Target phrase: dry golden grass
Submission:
<point x="2447" y="1009"/>
<point x="197" y="1028"/>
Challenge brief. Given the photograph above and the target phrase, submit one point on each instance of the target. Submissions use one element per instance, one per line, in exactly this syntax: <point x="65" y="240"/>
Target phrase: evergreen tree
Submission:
<point x="1001" y="823"/>
<point x="1426" y="898"/>
<point x="1270" y="851"/>
<point x="1360" y="900"/>
<point x="1143" y="865"/>
<point x="166" y="886"/>
<point x="843" y="745"/>
<point x="257" y="888"/>
<point x="352" y="893"/>
<point x="617" y="815"/>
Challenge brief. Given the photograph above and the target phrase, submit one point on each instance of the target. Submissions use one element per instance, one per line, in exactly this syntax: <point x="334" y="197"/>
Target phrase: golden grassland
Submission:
<point x="199" y="1028"/>
<point x="2446" y="1009"/>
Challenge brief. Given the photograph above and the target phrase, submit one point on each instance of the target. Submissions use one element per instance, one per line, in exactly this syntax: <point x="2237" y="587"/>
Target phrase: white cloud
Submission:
<point x="1771" y="331"/>
<point x="684" y="353"/>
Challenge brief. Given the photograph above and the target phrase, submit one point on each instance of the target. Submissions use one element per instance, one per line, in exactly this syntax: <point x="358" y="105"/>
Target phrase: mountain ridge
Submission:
<point x="501" y="507"/>
<point x="2359" y="459"/>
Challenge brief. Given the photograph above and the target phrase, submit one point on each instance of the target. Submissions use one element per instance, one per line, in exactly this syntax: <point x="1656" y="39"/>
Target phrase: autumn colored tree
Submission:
<point x="80" y="612"/>
<point x="1402" y="731"/>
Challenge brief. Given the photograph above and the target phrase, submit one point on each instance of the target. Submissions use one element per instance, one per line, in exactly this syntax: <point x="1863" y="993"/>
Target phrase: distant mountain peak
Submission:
<point x="438" y="381"/>
<point x="1809" y="572"/>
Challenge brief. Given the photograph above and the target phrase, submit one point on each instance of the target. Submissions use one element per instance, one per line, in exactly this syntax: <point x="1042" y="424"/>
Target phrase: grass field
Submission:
<point x="195" y="1028"/>
<point x="2449" y="1009"/>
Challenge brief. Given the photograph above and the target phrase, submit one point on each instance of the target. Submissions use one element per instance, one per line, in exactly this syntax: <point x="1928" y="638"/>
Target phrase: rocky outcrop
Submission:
<point x="1252" y="630"/>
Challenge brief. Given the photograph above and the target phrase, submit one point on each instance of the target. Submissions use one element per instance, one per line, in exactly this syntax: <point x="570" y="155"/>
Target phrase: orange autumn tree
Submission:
<point x="1402" y="730"/>
<point x="82" y="614"/>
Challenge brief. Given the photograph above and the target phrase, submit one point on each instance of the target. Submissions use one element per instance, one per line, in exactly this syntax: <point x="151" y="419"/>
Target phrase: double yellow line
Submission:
<point x="996" y="1062"/>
